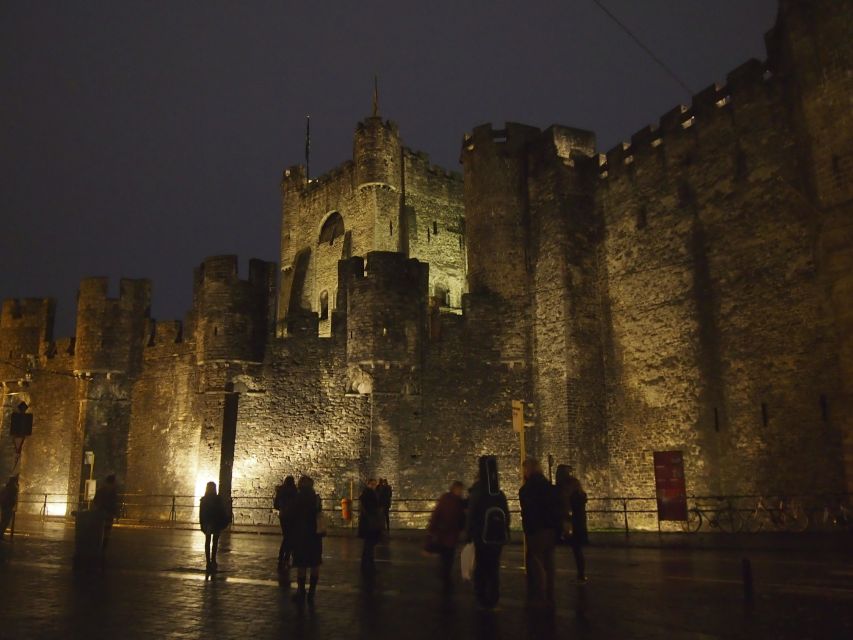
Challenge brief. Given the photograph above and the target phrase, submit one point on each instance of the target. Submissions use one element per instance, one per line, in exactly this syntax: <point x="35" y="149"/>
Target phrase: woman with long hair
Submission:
<point x="213" y="518"/>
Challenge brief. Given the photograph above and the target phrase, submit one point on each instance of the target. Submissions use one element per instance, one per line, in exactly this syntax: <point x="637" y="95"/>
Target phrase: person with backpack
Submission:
<point x="213" y="518"/>
<point x="488" y="528"/>
<point x="540" y="517"/>
<point x="572" y="500"/>
<point x="285" y="493"/>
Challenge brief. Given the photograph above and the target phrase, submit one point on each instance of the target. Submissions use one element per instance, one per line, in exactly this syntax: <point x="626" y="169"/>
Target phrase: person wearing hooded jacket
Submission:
<point x="488" y="528"/>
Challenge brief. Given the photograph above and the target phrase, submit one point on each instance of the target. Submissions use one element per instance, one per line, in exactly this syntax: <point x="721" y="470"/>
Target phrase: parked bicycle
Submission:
<point x="722" y="516"/>
<point x="786" y="515"/>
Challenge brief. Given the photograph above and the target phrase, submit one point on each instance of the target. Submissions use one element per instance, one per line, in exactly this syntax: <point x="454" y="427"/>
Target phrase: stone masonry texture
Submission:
<point x="689" y="290"/>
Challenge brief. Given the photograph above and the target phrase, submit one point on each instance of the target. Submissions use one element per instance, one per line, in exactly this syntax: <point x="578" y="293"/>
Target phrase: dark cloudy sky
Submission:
<point x="138" y="137"/>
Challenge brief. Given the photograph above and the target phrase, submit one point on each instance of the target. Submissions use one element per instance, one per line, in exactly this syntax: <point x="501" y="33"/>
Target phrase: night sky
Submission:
<point x="136" y="138"/>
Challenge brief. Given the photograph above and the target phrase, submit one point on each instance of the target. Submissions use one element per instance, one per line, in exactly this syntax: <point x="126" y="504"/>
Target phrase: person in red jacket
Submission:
<point x="445" y="526"/>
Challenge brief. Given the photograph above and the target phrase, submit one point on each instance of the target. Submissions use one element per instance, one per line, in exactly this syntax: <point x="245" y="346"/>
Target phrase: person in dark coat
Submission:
<point x="540" y="520"/>
<point x="213" y="518"/>
<point x="573" y="507"/>
<point x="106" y="501"/>
<point x="306" y="540"/>
<point x="383" y="494"/>
<point x="488" y="528"/>
<point x="8" y="504"/>
<point x="445" y="526"/>
<point x="369" y="524"/>
<point x="285" y="494"/>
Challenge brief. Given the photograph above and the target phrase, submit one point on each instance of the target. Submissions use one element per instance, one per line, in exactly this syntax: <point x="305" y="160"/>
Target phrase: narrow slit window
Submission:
<point x="642" y="219"/>
<point x="765" y="418"/>
<point x="324" y="305"/>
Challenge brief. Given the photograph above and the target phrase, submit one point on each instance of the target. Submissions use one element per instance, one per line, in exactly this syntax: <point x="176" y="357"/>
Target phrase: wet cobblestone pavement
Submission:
<point x="153" y="586"/>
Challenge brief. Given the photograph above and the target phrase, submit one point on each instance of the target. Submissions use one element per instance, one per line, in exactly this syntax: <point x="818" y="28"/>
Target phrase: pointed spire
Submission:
<point x="375" y="95"/>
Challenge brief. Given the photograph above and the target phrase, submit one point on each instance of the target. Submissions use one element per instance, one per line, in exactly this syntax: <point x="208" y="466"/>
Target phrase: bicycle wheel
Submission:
<point x="754" y="522"/>
<point x="693" y="522"/>
<point x="796" y="519"/>
<point x="730" y="520"/>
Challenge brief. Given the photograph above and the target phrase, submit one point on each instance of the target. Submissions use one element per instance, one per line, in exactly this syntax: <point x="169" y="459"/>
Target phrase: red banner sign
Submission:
<point x="669" y="485"/>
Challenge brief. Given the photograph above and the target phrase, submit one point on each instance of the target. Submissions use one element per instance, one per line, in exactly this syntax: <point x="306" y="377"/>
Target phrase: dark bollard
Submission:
<point x="746" y="573"/>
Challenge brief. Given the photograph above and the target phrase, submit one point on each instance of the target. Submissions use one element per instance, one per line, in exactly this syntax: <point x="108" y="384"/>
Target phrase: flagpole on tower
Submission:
<point x="308" y="148"/>
<point x="375" y="95"/>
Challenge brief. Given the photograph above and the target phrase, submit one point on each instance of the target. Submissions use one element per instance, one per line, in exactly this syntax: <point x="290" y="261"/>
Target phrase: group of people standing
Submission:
<point x="302" y="530"/>
<point x="550" y="513"/>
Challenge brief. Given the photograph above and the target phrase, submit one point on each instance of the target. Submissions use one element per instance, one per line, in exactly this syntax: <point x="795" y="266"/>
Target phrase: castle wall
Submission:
<point x="566" y="319"/>
<point x="296" y="418"/>
<point x="163" y="441"/>
<point x="37" y="371"/>
<point x="813" y="57"/>
<point x="718" y="345"/>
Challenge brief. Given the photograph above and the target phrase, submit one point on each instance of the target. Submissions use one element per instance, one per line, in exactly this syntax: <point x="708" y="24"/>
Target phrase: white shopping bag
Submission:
<point x="466" y="561"/>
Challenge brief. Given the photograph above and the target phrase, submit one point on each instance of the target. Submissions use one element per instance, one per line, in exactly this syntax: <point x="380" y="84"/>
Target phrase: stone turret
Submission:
<point x="232" y="315"/>
<point x="386" y="321"/>
<point x="111" y="331"/>
<point x="497" y="230"/>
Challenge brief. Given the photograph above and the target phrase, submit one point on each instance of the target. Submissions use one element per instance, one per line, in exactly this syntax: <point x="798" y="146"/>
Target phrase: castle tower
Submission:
<point x="26" y="328"/>
<point x="810" y="49"/>
<point x="108" y="355"/>
<point x="497" y="230"/>
<point x="386" y="303"/>
<point x="377" y="156"/>
<point x="232" y="316"/>
<point x="110" y="331"/>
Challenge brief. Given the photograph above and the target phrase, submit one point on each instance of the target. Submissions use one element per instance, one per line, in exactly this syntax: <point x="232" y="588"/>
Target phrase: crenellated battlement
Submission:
<point x="374" y="123"/>
<point x="133" y="293"/>
<point x="419" y="161"/>
<point x="746" y="86"/>
<point x="224" y="270"/>
<point x="61" y="348"/>
<point x="110" y="330"/>
<point x="165" y="333"/>
<point x="511" y="140"/>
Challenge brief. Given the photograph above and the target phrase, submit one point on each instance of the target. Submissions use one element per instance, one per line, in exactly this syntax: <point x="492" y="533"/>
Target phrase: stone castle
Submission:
<point x="690" y="290"/>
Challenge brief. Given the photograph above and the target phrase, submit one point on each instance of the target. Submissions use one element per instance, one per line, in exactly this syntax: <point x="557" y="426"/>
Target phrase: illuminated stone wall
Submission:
<point x="718" y="345"/>
<point x="689" y="290"/>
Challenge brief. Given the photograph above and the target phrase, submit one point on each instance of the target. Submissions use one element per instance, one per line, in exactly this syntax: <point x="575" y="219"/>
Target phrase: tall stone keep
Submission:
<point x="497" y="227"/>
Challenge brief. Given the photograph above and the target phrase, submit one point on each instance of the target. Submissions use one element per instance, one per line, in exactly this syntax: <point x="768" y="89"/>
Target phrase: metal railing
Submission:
<point x="614" y="513"/>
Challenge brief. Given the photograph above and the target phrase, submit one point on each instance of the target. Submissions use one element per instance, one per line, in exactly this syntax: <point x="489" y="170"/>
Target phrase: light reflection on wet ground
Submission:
<point x="153" y="585"/>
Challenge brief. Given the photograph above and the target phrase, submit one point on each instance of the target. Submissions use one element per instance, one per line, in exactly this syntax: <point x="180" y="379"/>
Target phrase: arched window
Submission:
<point x="333" y="228"/>
<point x="324" y="305"/>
